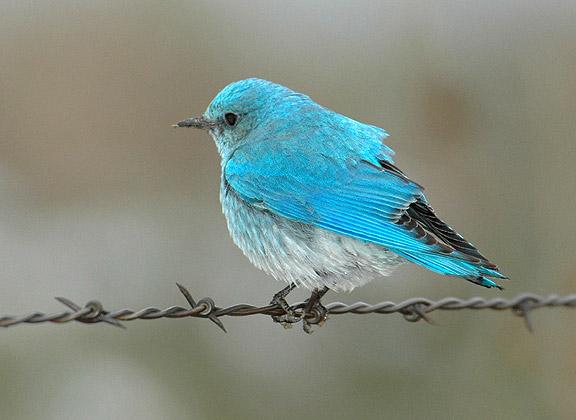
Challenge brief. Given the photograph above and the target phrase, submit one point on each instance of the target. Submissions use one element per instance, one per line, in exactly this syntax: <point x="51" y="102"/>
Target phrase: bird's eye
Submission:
<point x="231" y="118"/>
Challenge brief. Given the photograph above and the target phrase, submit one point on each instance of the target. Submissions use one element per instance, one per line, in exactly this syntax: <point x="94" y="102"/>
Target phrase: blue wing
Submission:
<point x="354" y="194"/>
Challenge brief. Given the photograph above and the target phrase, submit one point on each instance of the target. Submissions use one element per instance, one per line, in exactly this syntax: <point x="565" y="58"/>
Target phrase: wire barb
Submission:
<point x="413" y="310"/>
<point x="207" y="303"/>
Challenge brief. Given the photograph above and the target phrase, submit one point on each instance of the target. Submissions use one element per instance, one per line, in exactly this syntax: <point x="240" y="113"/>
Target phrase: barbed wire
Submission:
<point x="413" y="310"/>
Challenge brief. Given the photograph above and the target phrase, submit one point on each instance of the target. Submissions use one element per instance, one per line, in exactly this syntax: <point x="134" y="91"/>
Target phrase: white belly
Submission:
<point x="298" y="253"/>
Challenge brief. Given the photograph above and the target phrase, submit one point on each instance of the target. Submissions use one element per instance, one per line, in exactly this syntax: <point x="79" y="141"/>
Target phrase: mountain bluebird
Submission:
<point x="314" y="198"/>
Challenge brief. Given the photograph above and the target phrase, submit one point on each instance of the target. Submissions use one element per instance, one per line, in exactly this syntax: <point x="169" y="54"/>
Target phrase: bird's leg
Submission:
<point x="314" y="309"/>
<point x="279" y="299"/>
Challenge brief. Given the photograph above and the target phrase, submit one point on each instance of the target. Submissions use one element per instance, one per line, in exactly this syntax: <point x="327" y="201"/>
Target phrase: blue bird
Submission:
<point x="314" y="198"/>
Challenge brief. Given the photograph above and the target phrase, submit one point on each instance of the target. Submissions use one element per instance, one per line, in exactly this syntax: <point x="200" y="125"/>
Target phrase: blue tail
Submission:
<point x="457" y="264"/>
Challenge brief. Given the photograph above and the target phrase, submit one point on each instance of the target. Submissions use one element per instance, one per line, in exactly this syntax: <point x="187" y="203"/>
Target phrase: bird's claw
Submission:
<point x="290" y="315"/>
<point x="311" y="312"/>
<point x="314" y="314"/>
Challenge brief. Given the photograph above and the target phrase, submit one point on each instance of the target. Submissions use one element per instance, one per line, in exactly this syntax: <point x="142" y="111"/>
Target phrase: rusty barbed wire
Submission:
<point x="414" y="309"/>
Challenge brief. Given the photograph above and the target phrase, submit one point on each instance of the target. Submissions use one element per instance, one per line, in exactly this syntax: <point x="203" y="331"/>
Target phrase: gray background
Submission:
<point x="101" y="199"/>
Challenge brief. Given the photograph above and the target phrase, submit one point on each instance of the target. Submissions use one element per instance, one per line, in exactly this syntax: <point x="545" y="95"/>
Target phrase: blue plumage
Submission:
<point x="313" y="197"/>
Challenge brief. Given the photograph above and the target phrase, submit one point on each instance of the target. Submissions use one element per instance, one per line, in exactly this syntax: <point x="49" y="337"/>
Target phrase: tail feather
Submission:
<point x="452" y="265"/>
<point x="485" y="282"/>
<point x="421" y="211"/>
<point x="450" y="253"/>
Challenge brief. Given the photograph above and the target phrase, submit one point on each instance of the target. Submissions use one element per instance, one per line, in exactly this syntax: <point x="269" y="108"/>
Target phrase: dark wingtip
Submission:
<point x="484" y="282"/>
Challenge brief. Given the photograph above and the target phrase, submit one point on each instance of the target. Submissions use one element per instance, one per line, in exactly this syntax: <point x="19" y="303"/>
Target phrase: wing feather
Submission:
<point x="352" y="197"/>
<point x="361" y="197"/>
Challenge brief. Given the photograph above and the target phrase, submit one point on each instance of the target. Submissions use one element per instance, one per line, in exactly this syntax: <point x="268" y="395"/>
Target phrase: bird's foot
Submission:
<point x="316" y="314"/>
<point x="312" y="312"/>
<point x="291" y="315"/>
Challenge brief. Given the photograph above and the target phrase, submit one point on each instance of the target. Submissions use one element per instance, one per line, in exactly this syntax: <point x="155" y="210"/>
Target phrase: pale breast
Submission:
<point x="295" y="252"/>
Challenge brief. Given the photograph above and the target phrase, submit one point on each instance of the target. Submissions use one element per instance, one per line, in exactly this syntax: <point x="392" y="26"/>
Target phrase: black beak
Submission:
<point x="196" y="122"/>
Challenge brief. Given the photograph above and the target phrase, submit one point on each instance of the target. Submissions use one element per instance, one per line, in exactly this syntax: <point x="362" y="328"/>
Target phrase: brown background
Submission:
<point x="101" y="199"/>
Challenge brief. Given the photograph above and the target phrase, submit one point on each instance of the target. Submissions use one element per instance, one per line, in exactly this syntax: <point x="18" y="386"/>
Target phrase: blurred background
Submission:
<point x="101" y="199"/>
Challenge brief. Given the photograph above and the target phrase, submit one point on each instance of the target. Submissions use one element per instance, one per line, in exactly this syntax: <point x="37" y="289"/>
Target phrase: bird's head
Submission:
<point x="243" y="107"/>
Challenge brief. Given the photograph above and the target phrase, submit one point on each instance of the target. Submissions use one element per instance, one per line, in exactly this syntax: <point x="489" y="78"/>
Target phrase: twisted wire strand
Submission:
<point x="414" y="309"/>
